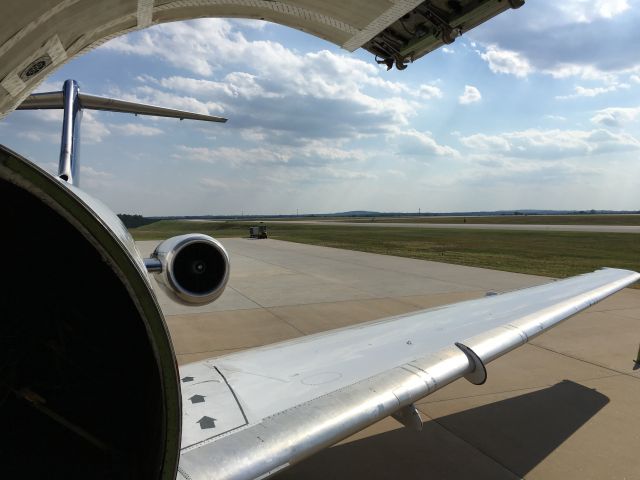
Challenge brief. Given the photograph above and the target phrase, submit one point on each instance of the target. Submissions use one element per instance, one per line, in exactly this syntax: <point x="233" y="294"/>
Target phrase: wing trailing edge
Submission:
<point x="306" y="394"/>
<point x="53" y="100"/>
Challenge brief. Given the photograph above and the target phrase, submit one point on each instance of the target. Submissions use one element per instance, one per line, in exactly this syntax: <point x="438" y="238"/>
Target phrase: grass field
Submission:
<point x="553" y="254"/>
<point x="503" y="219"/>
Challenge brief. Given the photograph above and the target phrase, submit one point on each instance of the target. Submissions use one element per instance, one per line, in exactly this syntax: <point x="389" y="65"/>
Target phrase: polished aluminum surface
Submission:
<point x="70" y="90"/>
<point x="43" y="101"/>
<point x="166" y="253"/>
<point x="409" y="416"/>
<point x="153" y="265"/>
<point x="68" y="167"/>
<point x="94" y="102"/>
<point x="478" y="375"/>
<point x="305" y="394"/>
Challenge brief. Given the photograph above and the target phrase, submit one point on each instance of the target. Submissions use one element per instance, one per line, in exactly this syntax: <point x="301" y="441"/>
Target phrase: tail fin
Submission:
<point x="73" y="102"/>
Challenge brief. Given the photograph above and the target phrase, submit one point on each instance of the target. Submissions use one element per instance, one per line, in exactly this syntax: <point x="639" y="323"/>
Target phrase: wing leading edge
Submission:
<point x="286" y="401"/>
<point x="54" y="100"/>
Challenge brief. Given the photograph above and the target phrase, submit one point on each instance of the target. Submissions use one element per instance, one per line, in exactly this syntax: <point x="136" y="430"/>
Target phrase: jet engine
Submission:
<point x="191" y="269"/>
<point x="89" y="385"/>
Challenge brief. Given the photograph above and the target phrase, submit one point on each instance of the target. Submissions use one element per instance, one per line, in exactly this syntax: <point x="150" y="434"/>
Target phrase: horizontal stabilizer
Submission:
<point x="113" y="105"/>
<point x="50" y="100"/>
<point x="41" y="101"/>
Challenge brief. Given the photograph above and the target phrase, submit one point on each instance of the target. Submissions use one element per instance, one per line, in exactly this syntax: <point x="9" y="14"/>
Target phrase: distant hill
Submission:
<point x="368" y="213"/>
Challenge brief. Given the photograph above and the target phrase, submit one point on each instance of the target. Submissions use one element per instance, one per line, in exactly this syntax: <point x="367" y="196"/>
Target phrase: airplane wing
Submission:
<point x="251" y="414"/>
<point x="103" y="381"/>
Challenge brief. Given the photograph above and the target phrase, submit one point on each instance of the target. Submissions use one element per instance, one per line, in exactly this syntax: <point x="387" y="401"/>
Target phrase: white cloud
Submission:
<point x="49" y="115"/>
<point x="323" y="175"/>
<point x="213" y="184"/>
<point x="149" y="94"/>
<point x="200" y="43"/>
<point x="336" y="95"/>
<point x="312" y="154"/>
<point x="93" y="130"/>
<point x="427" y="92"/>
<point x="551" y="144"/>
<point x="557" y="41"/>
<point x="506" y="61"/>
<point x="136" y="129"/>
<point x="580" y="91"/>
<point x="48" y="86"/>
<point x="470" y="95"/>
<point x="615" y="117"/>
<point x="421" y="144"/>
<point x="558" y="118"/>
<point x="39" y="136"/>
<point x="482" y="142"/>
<point x="586" y="11"/>
<point x="234" y="85"/>
<point x="93" y="178"/>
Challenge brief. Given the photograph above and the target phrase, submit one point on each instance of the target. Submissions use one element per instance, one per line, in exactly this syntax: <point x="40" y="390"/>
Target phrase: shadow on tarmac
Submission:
<point x="504" y="439"/>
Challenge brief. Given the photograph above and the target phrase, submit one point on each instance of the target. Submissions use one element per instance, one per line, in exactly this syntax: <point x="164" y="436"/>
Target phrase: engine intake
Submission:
<point x="192" y="269"/>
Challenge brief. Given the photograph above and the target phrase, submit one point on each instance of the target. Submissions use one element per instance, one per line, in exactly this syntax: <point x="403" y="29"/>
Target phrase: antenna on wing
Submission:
<point x="73" y="102"/>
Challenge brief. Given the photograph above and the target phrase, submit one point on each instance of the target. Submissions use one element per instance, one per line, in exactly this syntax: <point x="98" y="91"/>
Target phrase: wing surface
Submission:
<point x="253" y="413"/>
<point x="114" y="105"/>
<point x="51" y="100"/>
<point x="42" y="101"/>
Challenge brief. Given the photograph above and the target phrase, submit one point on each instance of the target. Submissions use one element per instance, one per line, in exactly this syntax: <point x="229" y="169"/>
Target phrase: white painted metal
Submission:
<point x="305" y="394"/>
<point x="210" y="407"/>
<point x="276" y="6"/>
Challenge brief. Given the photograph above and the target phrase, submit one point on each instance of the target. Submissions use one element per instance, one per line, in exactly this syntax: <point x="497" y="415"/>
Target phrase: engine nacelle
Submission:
<point x="192" y="269"/>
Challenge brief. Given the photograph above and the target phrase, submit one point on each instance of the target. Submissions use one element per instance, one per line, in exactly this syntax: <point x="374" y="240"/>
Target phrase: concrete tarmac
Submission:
<point x="564" y="406"/>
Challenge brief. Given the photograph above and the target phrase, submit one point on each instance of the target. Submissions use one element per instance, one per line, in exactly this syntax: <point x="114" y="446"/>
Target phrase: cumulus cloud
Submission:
<point x="551" y="144"/>
<point x="529" y="174"/>
<point x="91" y="177"/>
<point x="615" y="117"/>
<point x="587" y="11"/>
<point x="427" y="92"/>
<point x="506" y="61"/>
<point x="312" y="154"/>
<point x="421" y="144"/>
<point x="470" y="95"/>
<point x="40" y="136"/>
<point x="213" y="184"/>
<point x="136" y="130"/>
<point x="315" y="175"/>
<point x="558" y="118"/>
<point x="555" y="41"/>
<point x="580" y="91"/>
<point x="93" y="129"/>
<point x="330" y="95"/>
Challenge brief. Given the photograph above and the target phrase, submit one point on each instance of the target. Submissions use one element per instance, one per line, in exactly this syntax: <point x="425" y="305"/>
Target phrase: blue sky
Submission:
<point x="537" y="108"/>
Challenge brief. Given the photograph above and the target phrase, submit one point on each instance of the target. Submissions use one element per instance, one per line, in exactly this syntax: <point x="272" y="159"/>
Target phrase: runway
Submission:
<point x="561" y="407"/>
<point x="478" y="226"/>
